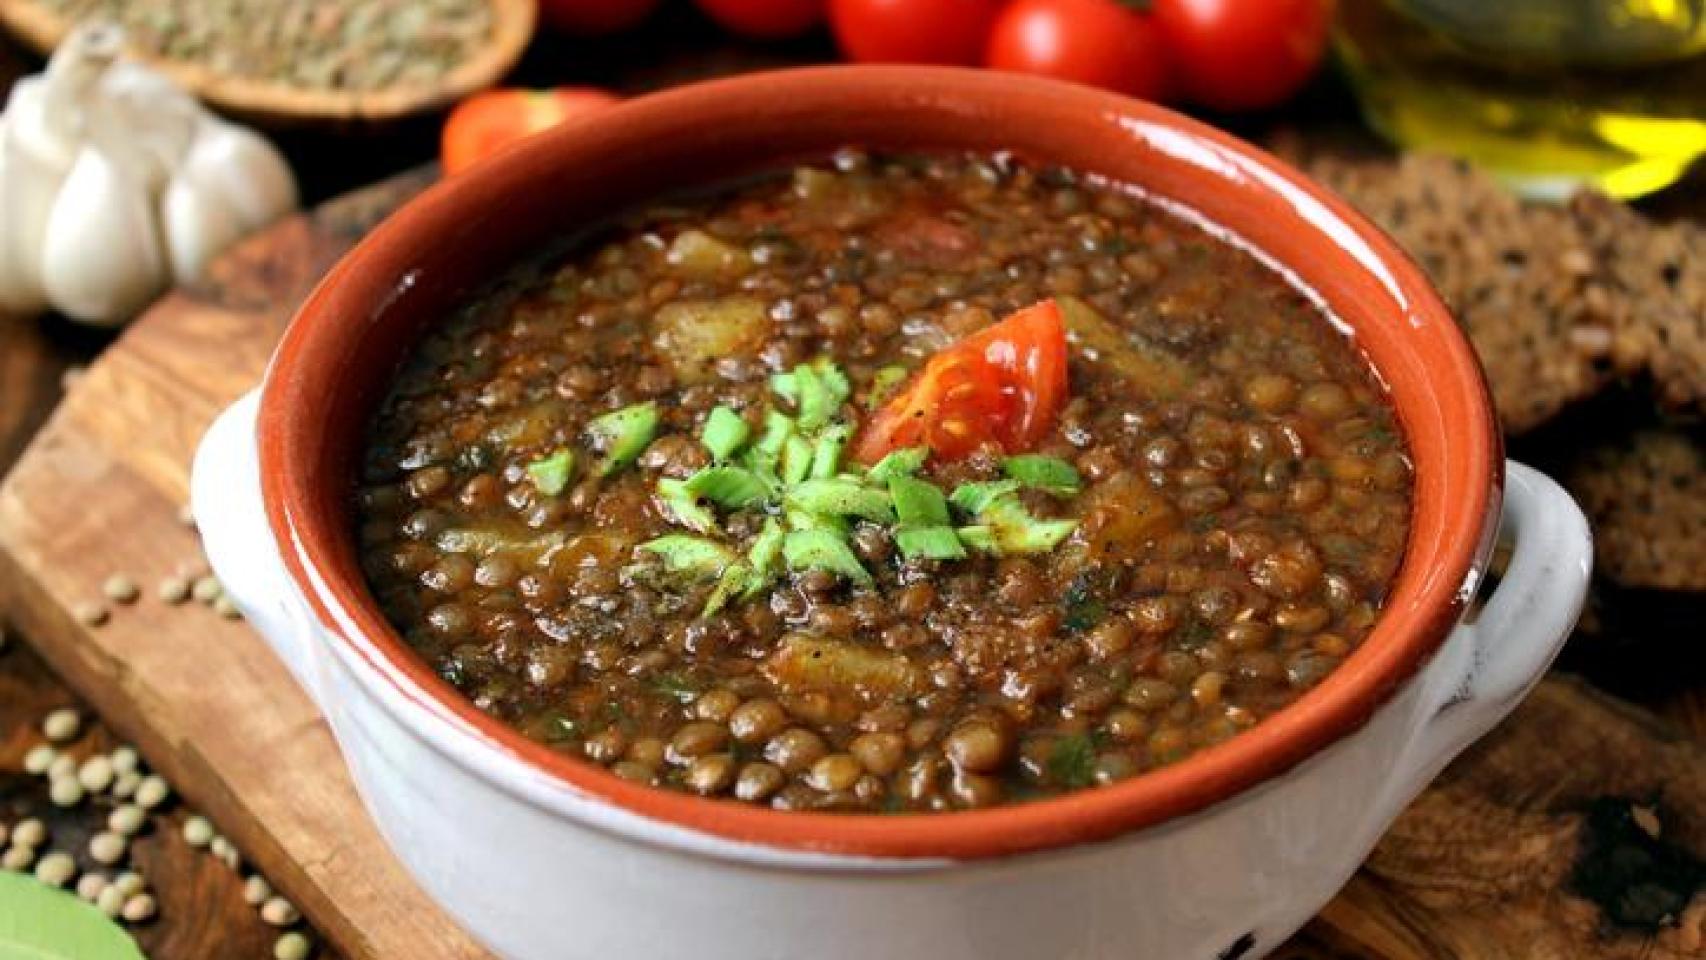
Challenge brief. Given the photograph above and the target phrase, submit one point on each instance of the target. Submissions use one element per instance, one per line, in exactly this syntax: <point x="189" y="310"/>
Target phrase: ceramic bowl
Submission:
<point x="1221" y="855"/>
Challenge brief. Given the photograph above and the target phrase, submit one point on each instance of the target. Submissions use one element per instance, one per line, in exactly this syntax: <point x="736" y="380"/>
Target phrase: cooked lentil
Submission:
<point x="1238" y="505"/>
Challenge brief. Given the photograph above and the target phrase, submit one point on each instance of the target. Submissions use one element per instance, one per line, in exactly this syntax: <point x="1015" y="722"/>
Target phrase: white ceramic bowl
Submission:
<point x="1222" y="855"/>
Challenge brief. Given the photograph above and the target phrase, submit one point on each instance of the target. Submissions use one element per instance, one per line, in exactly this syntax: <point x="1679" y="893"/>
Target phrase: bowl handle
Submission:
<point x="225" y="494"/>
<point x="1494" y="658"/>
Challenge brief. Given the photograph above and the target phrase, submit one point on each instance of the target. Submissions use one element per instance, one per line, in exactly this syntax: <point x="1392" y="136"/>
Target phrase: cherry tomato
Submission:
<point x="913" y="31"/>
<point x="591" y="18"/>
<point x="1098" y="42"/>
<point x="1243" y="54"/>
<point x="489" y="122"/>
<point x="1005" y="383"/>
<point x="764" y="19"/>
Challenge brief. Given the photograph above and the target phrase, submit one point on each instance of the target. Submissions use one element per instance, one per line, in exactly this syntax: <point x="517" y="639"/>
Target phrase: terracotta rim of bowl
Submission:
<point x="1436" y="382"/>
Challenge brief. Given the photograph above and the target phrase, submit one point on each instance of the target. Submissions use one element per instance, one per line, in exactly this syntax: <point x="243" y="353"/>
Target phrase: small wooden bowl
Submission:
<point x="280" y="105"/>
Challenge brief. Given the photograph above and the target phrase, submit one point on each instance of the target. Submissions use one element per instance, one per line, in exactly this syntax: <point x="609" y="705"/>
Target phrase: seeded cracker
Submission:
<point x="1645" y="497"/>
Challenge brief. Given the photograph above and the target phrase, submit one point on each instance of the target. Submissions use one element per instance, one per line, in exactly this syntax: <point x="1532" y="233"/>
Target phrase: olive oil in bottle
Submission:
<point x="1548" y="94"/>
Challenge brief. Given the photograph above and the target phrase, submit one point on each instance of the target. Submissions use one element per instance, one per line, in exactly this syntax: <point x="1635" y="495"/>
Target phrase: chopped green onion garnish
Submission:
<point x="731" y="488"/>
<point x="1018" y="532"/>
<point x="723" y="433"/>
<point x="1050" y="474"/>
<point x="823" y="550"/>
<point x="974" y="498"/>
<point x="623" y="434"/>
<point x="929" y="543"/>
<point x="796" y="462"/>
<point x="898" y="463"/>
<point x="691" y="555"/>
<point x="786" y="386"/>
<point x="834" y="379"/>
<point x="826" y="453"/>
<point x="839" y="497"/>
<point x="551" y="475"/>
<point x="762" y="556"/>
<point x="883" y="384"/>
<point x="815" y="402"/>
<point x="797" y="518"/>
<point x="735" y="579"/>
<point x="684" y="507"/>
<point x="918" y="502"/>
<point x="778" y="427"/>
<point x="978" y="537"/>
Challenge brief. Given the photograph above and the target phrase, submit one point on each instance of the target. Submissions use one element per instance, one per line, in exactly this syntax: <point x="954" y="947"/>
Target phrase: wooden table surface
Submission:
<point x="202" y="913"/>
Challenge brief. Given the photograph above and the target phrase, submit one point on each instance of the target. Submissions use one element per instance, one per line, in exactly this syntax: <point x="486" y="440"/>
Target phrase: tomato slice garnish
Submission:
<point x="1005" y="383"/>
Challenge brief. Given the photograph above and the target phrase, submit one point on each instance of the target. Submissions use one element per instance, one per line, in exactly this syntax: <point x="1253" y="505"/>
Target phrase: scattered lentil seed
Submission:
<point x="62" y="725"/>
<point x="173" y="590"/>
<point x="292" y="946"/>
<point x="279" y="912"/>
<point x="227" y="608"/>
<point x="138" y="908"/>
<point x="129" y="883"/>
<point x="219" y="846"/>
<point x="17" y="858"/>
<point x="96" y="773"/>
<point x="30" y="833"/>
<point x="231" y="859"/>
<point x="39" y="759"/>
<point x="256" y="890"/>
<point x="56" y="869"/>
<point x="120" y="588"/>
<point x="124" y="759"/>
<point x="90" y="886"/>
<point x="125" y="784"/>
<point x="206" y="589"/>
<point x="127" y="820"/>
<point x="186" y="515"/>
<point x="65" y="792"/>
<point x="198" y="832"/>
<point x="108" y="847"/>
<point x="90" y="613"/>
<point x="110" y="901"/>
<point x="152" y="792"/>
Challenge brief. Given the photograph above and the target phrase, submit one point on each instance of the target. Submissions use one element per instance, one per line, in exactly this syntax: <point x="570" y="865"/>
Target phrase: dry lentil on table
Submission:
<point x="1245" y="501"/>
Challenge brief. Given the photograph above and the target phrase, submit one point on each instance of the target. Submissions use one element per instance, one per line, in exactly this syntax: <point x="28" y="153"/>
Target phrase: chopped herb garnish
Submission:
<point x="762" y="556"/>
<point x="974" y="498"/>
<point x="918" y="503"/>
<point x="1072" y="761"/>
<point x="796" y="462"/>
<point x="826" y="453"/>
<point x="723" y="433"/>
<point x="979" y="538"/>
<point x="623" y="434"/>
<point x="696" y="556"/>
<point x="823" y="550"/>
<point x="1049" y="474"/>
<point x="732" y="488"/>
<point x="551" y="474"/>
<point x="884" y="383"/>
<point x="676" y="685"/>
<point x="683" y="506"/>
<point x="929" y="543"/>
<point x="1082" y="606"/>
<point x="842" y="498"/>
<point x="1016" y="531"/>
<point x="735" y="579"/>
<point x="898" y="463"/>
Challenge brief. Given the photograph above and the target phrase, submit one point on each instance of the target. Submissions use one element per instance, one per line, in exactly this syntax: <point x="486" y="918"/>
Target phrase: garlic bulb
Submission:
<point x="114" y="183"/>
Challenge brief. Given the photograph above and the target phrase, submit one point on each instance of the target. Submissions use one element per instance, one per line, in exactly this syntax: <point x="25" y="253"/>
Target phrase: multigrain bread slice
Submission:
<point x="1645" y="497"/>
<point x="1558" y="300"/>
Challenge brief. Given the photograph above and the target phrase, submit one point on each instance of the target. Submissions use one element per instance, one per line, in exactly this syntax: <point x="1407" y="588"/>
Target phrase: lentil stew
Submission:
<point x="912" y="482"/>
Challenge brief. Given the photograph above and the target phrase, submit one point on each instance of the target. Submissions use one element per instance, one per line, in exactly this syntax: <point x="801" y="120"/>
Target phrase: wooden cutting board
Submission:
<point x="1577" y="802"/>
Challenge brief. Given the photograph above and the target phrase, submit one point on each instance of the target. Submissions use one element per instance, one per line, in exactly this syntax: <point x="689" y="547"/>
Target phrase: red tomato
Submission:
<point x="590" y="18"/>
<point x="1004" y="384"/>
<point x="1098" y="42"/>
<point x="489" y="122"/>
<point x="913" y="31"/>
<point x="764" y="19"/>
<point x="1243" y="54"/>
